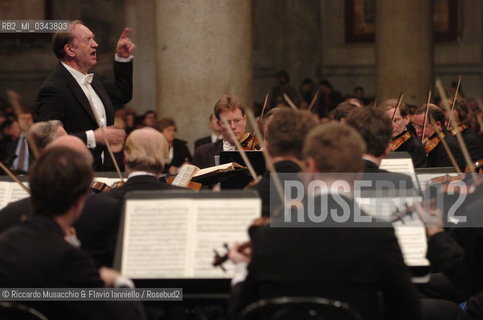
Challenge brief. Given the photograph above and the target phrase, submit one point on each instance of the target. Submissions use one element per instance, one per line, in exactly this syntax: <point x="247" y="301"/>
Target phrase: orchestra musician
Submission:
<point x="231" y="109"/>
<point x="402" y="139"/>
<point x="46" y="134"/>
<point x="42" y="252"/>
<point x="461" y="114"/>
<point x="145" y="154"/>
<point x="284" y="137"/>
<point x="361" y="266"/>
<point x="436" y="154"/>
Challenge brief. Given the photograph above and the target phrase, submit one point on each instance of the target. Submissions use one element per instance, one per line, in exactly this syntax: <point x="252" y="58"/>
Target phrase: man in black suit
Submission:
<point x="231" y="109"/>
<point x="50" y="132"/>
<point x="402" y="139"/>
<point x="437" y="155"/>
<point x="145" y="154"/>
<point x="284" y="138"/>
<point x="375" y="127"/>
<point x="214" y="136"/>
<point x="42" y="253"/>
<point x="361" y="266"/>
<point x="82" y="101"/>
<point x="461" y="114"/>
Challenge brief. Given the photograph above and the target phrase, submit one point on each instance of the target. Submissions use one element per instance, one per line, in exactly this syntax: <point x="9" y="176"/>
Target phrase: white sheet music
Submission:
<point x="10" y="192"/>
<point x="175" y="238"/>
<point x="425" y="177"/>
<point x="400" y="165"/>
<point x="409" y="229"/>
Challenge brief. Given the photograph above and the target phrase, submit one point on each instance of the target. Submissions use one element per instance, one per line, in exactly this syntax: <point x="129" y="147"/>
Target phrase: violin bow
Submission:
<point x="312" y="103"/>
<point x="240" y="149"/>
<point x="111" y="154"/>
<point x="459" y="136"/>
<point x="453" y="103"/>
<point x="108" y="146"/>
<point x="398" y="104"/>
<point x="14" y="177"/>
<point x="263" y="109"/>
<point x="445" y="145"/>
<point x="268" y="159"/>
<point x="290" y="102"/>
<point x="426" y="115"/>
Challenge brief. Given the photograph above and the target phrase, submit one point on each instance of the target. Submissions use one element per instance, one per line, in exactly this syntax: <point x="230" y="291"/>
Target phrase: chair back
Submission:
<point x="299" y="308"/>
<point x="17" y="311"/>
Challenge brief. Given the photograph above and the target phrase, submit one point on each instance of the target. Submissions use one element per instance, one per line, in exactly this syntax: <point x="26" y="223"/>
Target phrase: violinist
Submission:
<point x="361" y="266"/>
<point x="232" y="110"/>
<point x="403" y="140"/>
<point x="461" y="114"/>
<point x="284" y="137"/>
<point x="18" y="211"/>
<point x="436" y="154"/>
<point x="145" y="154"/>
<point x="374" y="126"/>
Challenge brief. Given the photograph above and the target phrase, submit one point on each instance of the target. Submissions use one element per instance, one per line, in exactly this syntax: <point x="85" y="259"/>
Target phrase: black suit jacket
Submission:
<point x="202" y="141"/>
<point x="263" y="187"/>
<point x="415" y="148"/>
<point x="61" y="98"/>
<point x="14" y="213"/>
<point x="457" y="252"/>
<point x="438" y="156"/>
<point x="181" y="154"/>
<point x="204" y="156"/>
<point x="356" y="265"/>
<point x="473" y="143"/>
<point x="98" y="225"/>
<point x="35" y="255"/>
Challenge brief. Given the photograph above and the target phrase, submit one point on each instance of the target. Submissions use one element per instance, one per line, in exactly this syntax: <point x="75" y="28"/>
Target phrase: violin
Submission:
<point x="244" y="248"/>
<point x="432" y="143"/>
<point x="250" y="142"/>
<point x="99" y="187"/>
<point x="395" y="144"/>
<point x="460" y="129"/>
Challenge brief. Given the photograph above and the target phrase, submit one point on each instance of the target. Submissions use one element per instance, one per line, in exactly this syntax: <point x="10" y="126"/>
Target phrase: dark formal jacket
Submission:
<point x="438" y="156"/>
<point x="202" y="141"/>
<point x="473" y="143"/>
<point x="457" y="252"/>
<point x="415" y="148"/>
<point x="97" y="227"/>
<point x="264" y="187"/>
<point x="181" y="154"/>
<point x="361" y="266"/>
<point x="35" y="255"/>
<point x="204" y="156"/>
<point x="14" y="213"/>
<point x="61" y="98"/>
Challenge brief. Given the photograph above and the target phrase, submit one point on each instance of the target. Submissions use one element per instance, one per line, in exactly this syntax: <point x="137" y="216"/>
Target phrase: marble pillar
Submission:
<point x="404" y="50"/>
<point x="203" y="50"/>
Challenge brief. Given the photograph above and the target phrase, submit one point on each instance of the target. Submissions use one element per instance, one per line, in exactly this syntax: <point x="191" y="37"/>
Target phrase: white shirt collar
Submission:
<point x="227" y="146"/>
<point x="79" y="76"/>
<point x="140" y="173"/>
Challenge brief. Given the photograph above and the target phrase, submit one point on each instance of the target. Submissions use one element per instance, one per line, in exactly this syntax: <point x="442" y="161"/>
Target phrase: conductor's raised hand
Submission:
<point x="125" y="47"/>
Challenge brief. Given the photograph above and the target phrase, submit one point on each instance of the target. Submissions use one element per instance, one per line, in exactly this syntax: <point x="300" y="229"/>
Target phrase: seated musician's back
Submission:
<point x="361" y="266"/>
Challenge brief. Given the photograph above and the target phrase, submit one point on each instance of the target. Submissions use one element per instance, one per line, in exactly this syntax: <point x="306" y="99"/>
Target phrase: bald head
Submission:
<point x="73" y="143"/>
<point x="146" y="149"/>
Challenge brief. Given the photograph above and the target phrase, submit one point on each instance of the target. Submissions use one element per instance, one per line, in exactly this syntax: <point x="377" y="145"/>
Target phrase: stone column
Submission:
<point x="140" y="17"/>
<point x="404" y="50"/>
<point x="203" y="50"/>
